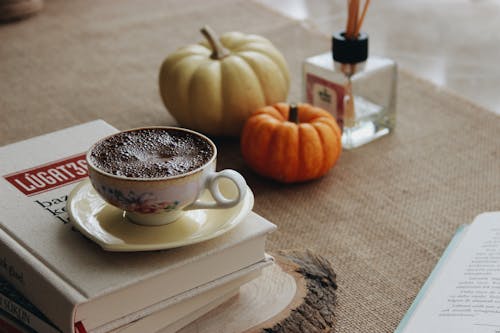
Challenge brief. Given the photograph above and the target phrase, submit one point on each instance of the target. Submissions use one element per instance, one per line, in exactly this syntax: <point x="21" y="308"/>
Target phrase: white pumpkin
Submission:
<point x="214" y="86"/>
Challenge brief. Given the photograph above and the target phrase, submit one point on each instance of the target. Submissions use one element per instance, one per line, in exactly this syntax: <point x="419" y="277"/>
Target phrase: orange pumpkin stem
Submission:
<point x="293" y="114"/>
<point x="218" y="50"/>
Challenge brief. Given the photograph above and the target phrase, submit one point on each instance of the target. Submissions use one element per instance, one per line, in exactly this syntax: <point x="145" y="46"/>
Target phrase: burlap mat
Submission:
<point x="383" y="215"/>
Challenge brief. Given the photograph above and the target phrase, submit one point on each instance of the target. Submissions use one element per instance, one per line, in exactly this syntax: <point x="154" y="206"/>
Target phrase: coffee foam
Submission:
<point x="151" y="153"/>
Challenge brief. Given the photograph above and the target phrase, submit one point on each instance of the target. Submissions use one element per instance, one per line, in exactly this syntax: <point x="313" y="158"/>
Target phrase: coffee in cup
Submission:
<point x="151" y="153"/>
<point x="156" y="173"/>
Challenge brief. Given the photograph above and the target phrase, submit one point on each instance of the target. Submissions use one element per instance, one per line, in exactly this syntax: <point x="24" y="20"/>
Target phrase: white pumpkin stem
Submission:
<point x="218" y="50"/>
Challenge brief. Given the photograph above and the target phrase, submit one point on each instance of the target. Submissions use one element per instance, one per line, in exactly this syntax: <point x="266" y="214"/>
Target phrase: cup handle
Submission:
<point x="220" y="200"/>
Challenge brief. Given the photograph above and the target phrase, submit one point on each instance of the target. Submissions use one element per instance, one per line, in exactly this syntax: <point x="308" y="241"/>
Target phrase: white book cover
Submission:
<point x="70" y="278"/>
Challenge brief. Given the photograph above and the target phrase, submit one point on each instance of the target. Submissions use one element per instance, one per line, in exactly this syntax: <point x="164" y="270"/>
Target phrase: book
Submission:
<point x="184" y="321"/>
<point x="187" y="309"/>
<point x="177" y="311"/>
<point x="462" y="294"/>
<point x="9" y="324"/>
<point x="20" y="309"/>
<point x="71" y="279"/>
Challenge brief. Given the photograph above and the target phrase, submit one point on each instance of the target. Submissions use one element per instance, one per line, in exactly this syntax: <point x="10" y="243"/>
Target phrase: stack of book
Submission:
<point x="53" y="279"/>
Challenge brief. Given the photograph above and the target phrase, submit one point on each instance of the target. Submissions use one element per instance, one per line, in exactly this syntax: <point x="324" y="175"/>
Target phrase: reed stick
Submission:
<point x="353" y="27"/>
<point x="354" y="20"/>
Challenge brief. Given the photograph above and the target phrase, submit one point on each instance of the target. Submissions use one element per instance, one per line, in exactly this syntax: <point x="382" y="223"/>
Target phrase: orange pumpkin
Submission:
<point x="291" y="143"/>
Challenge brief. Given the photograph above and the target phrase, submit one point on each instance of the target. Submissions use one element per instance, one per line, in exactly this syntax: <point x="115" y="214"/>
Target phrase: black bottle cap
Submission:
<point x="349" y="51"/>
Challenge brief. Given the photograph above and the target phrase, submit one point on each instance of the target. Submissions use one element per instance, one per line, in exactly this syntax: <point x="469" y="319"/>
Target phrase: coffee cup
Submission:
<point x="155" y="174"/>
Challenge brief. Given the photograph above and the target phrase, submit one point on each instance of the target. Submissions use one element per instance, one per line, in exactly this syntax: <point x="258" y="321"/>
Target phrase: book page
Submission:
<point x="463" y="294"/>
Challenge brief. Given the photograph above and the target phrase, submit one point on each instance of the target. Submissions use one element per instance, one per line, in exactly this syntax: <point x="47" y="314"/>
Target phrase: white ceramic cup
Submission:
<point x="158" y="201"/>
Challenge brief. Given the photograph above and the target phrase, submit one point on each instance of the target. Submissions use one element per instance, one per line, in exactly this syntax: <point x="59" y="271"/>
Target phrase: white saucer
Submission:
<point x="107" y="226"/>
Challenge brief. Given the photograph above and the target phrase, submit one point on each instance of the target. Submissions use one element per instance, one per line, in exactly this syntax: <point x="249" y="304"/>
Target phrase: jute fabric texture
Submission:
<point x="382" y="216"/>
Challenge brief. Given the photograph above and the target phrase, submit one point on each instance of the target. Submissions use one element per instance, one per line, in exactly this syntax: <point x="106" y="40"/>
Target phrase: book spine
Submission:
<point x="24" y="315"/>
<point x="8" y="324"/>
<point x="45" y="289"/>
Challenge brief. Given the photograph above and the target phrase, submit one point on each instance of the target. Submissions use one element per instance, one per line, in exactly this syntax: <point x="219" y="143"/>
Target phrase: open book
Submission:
<point x="462" y="294"/>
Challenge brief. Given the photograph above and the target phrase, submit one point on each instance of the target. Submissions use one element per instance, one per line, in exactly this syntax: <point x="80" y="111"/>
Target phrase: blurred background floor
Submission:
<point x="453" y="43"/>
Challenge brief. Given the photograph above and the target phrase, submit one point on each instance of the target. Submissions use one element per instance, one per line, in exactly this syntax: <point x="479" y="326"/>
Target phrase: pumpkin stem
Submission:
<point x="218" y="50"/>
<point x="293" y="114"/>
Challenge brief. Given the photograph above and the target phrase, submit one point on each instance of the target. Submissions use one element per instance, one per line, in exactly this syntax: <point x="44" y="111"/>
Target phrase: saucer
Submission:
<point x="109" y="228"/>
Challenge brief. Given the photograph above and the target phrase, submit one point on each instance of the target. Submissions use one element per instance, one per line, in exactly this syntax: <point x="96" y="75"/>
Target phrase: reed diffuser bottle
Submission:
<point x="359" y="91"/>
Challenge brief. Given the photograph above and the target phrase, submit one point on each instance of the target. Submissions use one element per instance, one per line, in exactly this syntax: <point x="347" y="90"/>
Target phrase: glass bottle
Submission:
<point x="359" y="91"/>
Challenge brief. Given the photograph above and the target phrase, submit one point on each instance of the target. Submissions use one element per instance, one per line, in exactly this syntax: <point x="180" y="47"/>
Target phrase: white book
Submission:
<point x="188" y="308"/>
<point x="462" y="294"/>
<point x="9" y="324"/>
<point x="174" y="313"/>
<point x="69" y="277"/>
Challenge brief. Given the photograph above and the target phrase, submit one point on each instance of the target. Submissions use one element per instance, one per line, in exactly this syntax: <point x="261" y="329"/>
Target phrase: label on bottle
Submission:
<point x="326" y="95"/>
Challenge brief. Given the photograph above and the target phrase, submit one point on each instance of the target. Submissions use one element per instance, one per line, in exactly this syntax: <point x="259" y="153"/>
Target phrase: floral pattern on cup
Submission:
<point x="141" y="198"/>
<point x="144" y="203"/>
